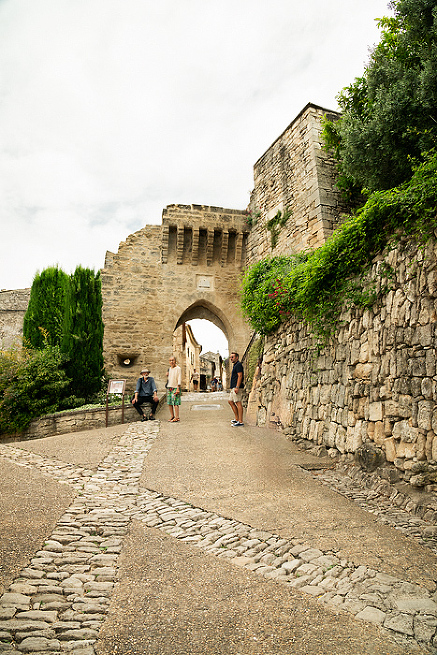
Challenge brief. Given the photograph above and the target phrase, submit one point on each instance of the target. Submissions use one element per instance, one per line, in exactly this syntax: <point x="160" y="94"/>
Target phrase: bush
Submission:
<point x="32" y="383"/>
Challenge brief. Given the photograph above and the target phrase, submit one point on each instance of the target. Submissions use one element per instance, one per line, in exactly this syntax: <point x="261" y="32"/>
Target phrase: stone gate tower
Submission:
<point x="188" y="267"/>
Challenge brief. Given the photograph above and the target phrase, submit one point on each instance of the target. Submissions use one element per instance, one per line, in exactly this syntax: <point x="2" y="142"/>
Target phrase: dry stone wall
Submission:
<point x="74" y="421"/>
<point x="375" y="382"/>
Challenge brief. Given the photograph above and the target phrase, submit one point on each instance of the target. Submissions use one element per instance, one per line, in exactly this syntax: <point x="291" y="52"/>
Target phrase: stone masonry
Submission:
<point x="297" y="175"/>
<point x="375" y="382"/>
<point x="162" y="276"/>
<point x="13" y="306"/>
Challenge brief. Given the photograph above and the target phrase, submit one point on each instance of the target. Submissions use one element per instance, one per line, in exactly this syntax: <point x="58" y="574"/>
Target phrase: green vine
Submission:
<point x="252" y="217"/>
<point x="314" y="286"/>
<point x="275" y="224"/>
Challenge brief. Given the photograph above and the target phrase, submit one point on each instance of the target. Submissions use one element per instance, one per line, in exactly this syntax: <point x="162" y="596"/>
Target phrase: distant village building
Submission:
<point x="211" y="367"/>
<point x="187" y="352"/>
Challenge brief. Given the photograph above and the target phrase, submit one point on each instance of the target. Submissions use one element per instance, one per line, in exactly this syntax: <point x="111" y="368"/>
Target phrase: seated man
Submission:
<point x="145" y="392"/>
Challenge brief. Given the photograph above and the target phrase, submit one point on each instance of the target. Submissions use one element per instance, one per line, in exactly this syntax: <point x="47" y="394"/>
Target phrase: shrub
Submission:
<point x="32" y="383"/>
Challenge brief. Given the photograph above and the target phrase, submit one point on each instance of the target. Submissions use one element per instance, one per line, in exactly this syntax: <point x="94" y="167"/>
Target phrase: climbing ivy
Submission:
<point x="275" y="223"/>
<point x="314" y="285"/>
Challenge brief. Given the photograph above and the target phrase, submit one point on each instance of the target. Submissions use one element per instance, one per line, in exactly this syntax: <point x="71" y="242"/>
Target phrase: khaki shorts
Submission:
<point x="235" y="397"/>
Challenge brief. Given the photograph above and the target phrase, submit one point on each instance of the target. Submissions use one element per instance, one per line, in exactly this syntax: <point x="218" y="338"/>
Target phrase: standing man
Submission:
<point x="174" y="382"/>
<point x="237" y="383"/>
<point x="145" y="392"/>
<point x="195" y="380"/>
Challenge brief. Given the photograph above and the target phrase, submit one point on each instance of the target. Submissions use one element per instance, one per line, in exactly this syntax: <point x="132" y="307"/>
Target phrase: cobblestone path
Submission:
<point x="58" y="602"/>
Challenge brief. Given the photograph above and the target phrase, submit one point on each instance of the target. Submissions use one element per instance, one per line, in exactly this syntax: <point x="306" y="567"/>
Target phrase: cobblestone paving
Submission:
<point x="389" y="506"/>
<point x="59" y="601"/>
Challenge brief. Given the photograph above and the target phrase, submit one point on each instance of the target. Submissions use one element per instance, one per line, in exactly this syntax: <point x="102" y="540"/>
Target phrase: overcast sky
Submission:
<point x="112" y="109"/>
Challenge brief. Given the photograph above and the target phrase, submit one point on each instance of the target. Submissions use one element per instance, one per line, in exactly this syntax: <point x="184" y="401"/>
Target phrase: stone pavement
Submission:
<point x="196" y="537"/>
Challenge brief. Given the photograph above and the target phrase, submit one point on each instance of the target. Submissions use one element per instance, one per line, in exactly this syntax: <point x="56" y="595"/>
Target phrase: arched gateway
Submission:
<point x="188" y="267"/>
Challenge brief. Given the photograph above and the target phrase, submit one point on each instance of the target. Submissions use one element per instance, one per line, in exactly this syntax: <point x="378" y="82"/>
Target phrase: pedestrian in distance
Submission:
<point x="235" y="396"/>
<point x="195" y="380"/>
<point x="174" y="382"/>
<point x="145" y="392"/>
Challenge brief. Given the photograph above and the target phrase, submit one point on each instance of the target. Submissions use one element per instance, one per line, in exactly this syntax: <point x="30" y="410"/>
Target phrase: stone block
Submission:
<point x="398" y="409"/>
<point x="425" y="414"/>
<point x="379" y="434"/>
<point x="354" y="437"/>
<point x="405" y="450"/>
<point x="371" y="615"/>
<point x="402" y="623"/>
<point x="390" y="449"/>
<point x="363" y="371"/>
<point x="404" y="431"/>
<point x="340" y="439"/>
<point x="375" y="411"/>
<point x="427" y="388"/>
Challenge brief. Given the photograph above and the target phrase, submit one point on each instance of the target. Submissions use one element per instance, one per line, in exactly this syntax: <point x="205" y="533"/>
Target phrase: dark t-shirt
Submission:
<point x="238" y="368"/>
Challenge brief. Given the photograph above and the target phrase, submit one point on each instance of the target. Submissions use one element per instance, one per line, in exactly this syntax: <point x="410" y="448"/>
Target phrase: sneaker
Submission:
<point x="237" y="424"/>
<point x="151" y="417"/>
<point x="234" y="421"/>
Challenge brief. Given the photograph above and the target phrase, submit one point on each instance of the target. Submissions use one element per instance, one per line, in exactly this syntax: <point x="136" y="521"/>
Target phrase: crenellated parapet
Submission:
<point x="200" y="235"/>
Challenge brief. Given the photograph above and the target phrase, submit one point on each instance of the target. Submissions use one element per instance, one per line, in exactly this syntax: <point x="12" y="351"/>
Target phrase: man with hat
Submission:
<point x="145" y="392"/>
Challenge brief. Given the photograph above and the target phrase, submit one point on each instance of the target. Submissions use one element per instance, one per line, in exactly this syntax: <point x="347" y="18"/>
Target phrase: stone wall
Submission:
<point x="13" y="306"/>
<point x="164" y="275"/>
<point x="74" y="421"/>
<point x="375" y="382"/>
<point x="295" y="174"/>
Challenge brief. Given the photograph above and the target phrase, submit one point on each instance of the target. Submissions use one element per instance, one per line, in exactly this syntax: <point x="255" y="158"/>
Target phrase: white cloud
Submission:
<point x="112" y="109"/>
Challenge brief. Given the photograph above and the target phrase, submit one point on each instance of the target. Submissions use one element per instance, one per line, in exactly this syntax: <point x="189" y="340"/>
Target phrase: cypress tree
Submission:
<point x="82" y="339"/>
<point x="44" y="317"/>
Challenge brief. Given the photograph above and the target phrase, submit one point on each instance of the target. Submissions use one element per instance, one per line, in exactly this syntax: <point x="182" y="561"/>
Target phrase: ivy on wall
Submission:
<point x="275" y="224"/>
<point x="314" y="285"/>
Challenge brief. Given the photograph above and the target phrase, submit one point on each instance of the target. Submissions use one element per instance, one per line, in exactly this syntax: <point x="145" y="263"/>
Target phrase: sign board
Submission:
<point x="117" y="386"/>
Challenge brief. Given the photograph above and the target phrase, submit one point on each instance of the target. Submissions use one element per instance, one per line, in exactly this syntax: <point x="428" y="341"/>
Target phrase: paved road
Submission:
<point x="218" y="536"/>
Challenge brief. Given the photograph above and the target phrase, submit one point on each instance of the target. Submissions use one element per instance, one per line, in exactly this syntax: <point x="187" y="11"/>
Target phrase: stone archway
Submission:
<point x="205" y="310"/>
<point x="188" y="267"/>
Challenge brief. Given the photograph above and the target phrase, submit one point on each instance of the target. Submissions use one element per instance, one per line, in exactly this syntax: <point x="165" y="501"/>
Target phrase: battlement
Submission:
<point x="198" y="234"/>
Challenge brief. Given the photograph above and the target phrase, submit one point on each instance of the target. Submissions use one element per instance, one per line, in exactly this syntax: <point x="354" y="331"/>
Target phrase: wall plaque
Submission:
<point x="205" y="282"/>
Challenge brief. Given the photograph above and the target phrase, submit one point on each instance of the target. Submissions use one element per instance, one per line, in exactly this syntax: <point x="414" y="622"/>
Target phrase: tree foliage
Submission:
<point x="66" y="311"/>
<point x="82" y="340"/>
<point x="389" y="115"/>
<point x="45" y="313"/>
<point x="32" y="383"/>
